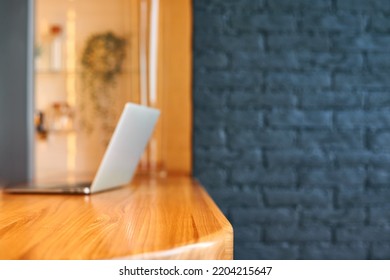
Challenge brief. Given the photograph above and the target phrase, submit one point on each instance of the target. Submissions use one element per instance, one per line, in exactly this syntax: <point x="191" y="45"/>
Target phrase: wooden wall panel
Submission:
<point x="176" y="75"/>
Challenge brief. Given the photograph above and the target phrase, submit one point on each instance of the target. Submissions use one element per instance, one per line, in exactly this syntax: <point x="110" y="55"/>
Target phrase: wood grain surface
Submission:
<point x="164" y="218"/>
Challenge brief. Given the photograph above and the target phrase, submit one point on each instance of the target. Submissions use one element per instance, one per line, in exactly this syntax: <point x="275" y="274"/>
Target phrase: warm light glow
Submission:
<point x="143" y="52"/>
<point x="143" y="65"/>
<point x="71" y="84"/>
<point x="71" y="56"/>
<point x="153" y="51"/>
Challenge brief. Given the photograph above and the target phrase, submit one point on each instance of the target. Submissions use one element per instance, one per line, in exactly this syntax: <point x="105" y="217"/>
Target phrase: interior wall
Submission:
<point x="15" y="102"/>
<point x="292" y="124"/>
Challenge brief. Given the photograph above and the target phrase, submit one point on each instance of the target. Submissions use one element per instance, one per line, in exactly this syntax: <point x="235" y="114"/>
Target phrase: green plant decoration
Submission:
<point x="101" y="63"/>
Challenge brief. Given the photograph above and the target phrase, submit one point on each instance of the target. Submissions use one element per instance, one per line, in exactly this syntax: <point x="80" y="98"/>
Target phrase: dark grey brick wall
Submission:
<point x="292" y="124"/>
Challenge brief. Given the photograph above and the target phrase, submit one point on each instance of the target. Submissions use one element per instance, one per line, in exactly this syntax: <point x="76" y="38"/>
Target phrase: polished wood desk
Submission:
<point x="168" y="218"/>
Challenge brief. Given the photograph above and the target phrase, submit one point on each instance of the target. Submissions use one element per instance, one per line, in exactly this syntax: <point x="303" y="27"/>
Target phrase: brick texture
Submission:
<point x="292" y="124"/>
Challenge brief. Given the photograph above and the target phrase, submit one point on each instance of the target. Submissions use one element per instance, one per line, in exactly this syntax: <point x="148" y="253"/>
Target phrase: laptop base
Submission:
<point x="81" y="188"/>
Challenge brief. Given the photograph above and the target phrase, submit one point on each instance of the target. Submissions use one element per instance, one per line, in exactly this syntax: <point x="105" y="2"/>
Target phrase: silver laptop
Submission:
<point x="120" y="160"/>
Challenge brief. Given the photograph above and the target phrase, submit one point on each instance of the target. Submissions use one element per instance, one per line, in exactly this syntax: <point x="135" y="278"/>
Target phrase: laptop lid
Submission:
<point x="127" y="144"/>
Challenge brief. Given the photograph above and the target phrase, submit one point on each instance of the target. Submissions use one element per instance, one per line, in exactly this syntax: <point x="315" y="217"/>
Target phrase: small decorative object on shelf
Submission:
<point x="40" y="125"/>
<point x="60" y="117"/>
<point x="101" y="63"/>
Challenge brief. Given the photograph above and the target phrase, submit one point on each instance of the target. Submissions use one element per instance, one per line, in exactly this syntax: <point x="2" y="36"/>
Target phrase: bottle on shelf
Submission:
<point x="56" y="48"/>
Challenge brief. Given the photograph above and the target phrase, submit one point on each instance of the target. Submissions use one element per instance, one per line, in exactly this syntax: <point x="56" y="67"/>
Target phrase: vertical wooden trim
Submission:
<point x="132" y="22"/>
<point x="176" y="84"/>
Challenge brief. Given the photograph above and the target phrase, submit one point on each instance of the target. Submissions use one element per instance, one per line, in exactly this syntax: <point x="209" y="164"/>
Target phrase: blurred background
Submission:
<point x="86" y="69"/>
<point x="73" y="66"/>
